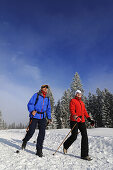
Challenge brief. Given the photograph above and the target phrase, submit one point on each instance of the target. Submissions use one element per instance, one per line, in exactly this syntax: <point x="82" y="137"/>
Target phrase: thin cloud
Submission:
<point x="25" y="71"/>
<point x="32" y="71"/>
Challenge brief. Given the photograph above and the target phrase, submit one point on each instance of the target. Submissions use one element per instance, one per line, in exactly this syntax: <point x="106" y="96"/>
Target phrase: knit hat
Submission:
<point x="78" y="91"/>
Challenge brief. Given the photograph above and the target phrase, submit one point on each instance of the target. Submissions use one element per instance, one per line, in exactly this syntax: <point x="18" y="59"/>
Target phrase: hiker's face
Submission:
<point x="79" y="95"/>
<point x="44" y="89"/>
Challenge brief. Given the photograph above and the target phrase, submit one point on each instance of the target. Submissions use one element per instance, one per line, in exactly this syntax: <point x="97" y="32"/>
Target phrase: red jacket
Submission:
<point x="77" y="108"/>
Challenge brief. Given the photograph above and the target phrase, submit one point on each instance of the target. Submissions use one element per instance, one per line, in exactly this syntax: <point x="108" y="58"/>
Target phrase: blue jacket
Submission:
<point x="42" y="105"/>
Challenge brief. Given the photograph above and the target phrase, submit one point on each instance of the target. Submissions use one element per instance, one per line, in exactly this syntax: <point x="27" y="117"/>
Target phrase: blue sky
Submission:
<point x="48" y="42"/>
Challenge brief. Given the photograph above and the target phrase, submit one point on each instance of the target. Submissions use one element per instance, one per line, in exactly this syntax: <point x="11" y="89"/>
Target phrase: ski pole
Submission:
<point x="29" y="124"/>
<point x="65" y="139"/>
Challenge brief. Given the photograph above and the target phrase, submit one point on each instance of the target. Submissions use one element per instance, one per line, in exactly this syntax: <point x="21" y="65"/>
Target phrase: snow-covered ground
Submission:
<point x="100" y="149"/>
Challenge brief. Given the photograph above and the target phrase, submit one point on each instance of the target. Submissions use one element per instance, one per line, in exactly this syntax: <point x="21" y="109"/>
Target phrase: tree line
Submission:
<point x="3" y="124"/>
<point x="99" y="106"/>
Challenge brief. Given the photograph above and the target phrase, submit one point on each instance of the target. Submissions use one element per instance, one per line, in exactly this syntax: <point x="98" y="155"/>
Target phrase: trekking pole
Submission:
<point x="29" y="124"/>
<point x="65" y="139"/>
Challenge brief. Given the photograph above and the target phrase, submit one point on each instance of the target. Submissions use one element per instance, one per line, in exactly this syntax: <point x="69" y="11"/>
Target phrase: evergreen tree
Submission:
<point x="58" y="115"/>
<point x="91" y="106"/>
<point x="107" y="118"/>
<point x="111" y="110"/>
<point x="89" y="103"/>
<point x="1" y="121"/>
<point x="54" y="120"/>
<point x="76" y="85"/>
<point x="99" y="107"/>
<point x="4" y="125"/>
<point x="65" y="113"/>
<point x="53" y="125"/>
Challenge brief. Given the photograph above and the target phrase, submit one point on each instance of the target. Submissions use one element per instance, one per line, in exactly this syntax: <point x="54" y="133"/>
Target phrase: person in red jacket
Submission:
<point x="78" y="114"/>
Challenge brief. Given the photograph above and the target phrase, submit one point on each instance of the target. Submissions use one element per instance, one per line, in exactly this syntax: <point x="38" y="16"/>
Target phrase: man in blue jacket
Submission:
<point x="39" y="108"/>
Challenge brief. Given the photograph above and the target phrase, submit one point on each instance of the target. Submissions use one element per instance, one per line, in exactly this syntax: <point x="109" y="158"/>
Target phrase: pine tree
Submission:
<point x="54" y="120"/>
<point x="91" y="106"/>
<point x="89" y="103"/>
<point x="76" y="85"/>
<point x="53" y="125"/>
<point x="100" y="107"/>
<point x="111" y="110"/>
<point x="4" y="125"/>
<point x="1" y="121"/>
<point x="58" y="115"/>
<point x="107" y="118"/>
<point x="65" y="113"/>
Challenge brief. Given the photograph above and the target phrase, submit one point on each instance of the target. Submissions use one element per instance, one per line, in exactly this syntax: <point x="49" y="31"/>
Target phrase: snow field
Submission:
<point x="100" y="149"/>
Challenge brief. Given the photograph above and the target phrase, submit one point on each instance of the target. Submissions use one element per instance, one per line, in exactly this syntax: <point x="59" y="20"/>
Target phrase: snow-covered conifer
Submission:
<point x="65" y="113"/>
<point x="53" y="125"/>
<point x="58" y="115"/>
<point x="76" y="84"/>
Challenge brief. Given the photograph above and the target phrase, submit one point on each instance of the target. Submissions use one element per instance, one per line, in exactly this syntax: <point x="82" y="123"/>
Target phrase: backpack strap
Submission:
<point x="37" y="99"/>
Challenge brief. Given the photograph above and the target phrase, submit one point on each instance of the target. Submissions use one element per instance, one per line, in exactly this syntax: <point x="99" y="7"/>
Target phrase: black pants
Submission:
<point x="41" y="135"/>
<point x="73" y="137"/>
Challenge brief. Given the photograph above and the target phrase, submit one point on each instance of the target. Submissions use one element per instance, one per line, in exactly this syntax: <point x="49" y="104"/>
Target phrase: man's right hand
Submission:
<point x="34" y="112"/>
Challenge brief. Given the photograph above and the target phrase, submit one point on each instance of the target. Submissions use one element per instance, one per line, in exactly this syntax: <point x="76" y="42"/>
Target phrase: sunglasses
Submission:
<point x="45" y="86"/>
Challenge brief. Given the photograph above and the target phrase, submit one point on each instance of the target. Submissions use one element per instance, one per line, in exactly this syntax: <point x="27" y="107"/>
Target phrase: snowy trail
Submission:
<point x="100" y="148"/>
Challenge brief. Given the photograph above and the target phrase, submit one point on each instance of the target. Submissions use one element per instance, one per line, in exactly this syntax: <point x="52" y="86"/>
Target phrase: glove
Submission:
<point x="92" y="122"/>
<point x="78" y="119"/>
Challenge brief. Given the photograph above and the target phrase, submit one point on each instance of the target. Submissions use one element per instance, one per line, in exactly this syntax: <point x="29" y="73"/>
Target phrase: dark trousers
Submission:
<point x="42" y="126"/>
<point x="73" y="137"/>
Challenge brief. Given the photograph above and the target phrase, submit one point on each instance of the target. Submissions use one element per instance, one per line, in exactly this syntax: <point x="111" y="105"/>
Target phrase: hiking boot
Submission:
<point x="23" y="145"/>
<point x="86" y="158"/>
<point x="64" y="150"/>
<point x="39" y="152"/>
